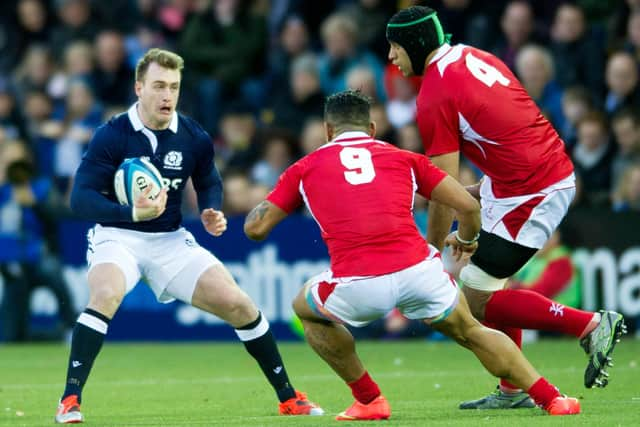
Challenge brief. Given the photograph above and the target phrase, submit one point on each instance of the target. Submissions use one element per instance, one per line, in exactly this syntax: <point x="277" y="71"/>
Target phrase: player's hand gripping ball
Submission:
<point x="134" y="177"/>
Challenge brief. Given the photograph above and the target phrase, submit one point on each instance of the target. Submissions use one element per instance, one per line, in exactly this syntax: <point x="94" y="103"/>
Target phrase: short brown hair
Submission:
<point x="163" y="58"/>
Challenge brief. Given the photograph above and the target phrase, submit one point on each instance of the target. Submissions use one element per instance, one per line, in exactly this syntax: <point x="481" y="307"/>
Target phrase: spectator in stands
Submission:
<point x="225" y="48"/>
<point x="72" y="128"/>
<point x="277" y="147"/>
<point x="38" y="110"/>
<point x="576" y="103"/>
<point x="401" y="94"/>
<point x="534" y="66"/>
<point x="238" y="131"/>
<point x="35" y="72"/>
<point x="551" y="272"/>
<point x="341" y="54"/>
<point x="384" y="130"/>
<point x="622" y="83"/>
<point x="313" y="135"/>
<point x="578" y="57"/>
<point x="237" y="193"/>
<point x="626" y="130"/>
<point x="28" y="211"/>
<point x="517" y="25"/>
<point x="592" y="157"/>
<point x="112" y="77"/>
<point x="77" y="63"/>
<point x="370" y="17"/>
<point x="31" y="28"/>
<point x="11" y="121"/>
<point x="301" y="99"/>
<point x="632" y="42"/>
<point x="627" y="194"/>
<point x="292" y="43"/>
<point x="409" y="138"/>
<point x="362" y="78"/>
<point x="75" y="24"/>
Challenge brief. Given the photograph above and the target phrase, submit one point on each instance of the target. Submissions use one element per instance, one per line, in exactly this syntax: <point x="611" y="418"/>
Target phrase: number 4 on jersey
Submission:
<point x="487" y="74"/>
<point x="358" y="161"/>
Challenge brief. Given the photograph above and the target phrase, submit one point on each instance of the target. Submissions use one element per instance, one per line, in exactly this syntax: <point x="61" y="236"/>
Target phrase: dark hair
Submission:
<point x="20" y="172"/>
<point x="627" y="113"/>
<point x="418" y="30"/>
<point x="349" y="107"/>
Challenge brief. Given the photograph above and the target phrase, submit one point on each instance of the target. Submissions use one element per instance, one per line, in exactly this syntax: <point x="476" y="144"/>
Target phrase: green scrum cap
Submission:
<point x="418" y="30"/>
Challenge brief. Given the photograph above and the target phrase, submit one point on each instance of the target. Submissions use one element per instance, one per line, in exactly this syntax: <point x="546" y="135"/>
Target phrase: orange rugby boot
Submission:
<point x="300" y="405"/>
<point x="377" y="409"/>
<point x="563" y="405"/>
<point x="69" y="411"/>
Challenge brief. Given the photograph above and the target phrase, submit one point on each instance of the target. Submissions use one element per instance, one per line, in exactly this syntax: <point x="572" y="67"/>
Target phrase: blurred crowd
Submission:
<point x="257" y="71"/>
<point x="256" y="74"/>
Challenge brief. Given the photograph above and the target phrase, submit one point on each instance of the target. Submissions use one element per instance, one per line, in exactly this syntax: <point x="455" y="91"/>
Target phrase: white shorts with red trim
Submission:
<point x="527" y="220"/>
<point x="422" y="291"/>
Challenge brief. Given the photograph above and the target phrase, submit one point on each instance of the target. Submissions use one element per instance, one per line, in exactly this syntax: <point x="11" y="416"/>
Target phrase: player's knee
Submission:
<point x="106" y="299"/>
<point x="478" y="287"/>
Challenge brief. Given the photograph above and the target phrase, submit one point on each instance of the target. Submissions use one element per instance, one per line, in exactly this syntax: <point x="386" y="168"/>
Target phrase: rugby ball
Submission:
<point x="133" y="177"/>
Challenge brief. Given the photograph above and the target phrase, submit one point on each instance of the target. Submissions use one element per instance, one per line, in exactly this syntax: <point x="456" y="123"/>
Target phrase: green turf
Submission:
<point x="218" y="384"/>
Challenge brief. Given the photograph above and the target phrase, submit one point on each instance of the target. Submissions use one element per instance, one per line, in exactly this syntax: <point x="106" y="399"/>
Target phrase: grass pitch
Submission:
<point x="219" y="384"/>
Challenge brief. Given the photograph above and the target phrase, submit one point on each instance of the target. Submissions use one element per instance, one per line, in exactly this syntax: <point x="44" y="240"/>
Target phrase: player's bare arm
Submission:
<point x="440" y="216"/>
<point x="262" y="219"/>
<point x="451" y="194"/>
<point x="213" y="221"/>
<point x="146" y="209"/>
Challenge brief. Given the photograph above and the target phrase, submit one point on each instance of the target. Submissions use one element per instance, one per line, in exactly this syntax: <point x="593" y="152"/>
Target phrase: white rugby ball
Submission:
<point x="133" y="177"/>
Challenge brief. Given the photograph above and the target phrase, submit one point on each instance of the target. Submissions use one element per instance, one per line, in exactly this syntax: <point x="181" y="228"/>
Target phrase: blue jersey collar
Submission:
<point x="137" y="124"/>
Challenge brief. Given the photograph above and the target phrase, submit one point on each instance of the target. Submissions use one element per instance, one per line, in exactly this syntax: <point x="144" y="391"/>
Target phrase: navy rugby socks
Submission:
<point x="260" y="343"/>
<point x="87" y="339"/>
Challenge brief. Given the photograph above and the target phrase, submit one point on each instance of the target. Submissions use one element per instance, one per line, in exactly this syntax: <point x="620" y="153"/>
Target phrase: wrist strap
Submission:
<point x="134" y="214"/>
<point x="467" y="242"/>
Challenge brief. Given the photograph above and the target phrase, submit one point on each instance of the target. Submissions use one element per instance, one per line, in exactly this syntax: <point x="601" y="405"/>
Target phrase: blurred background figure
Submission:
<point x="517" y="25"/>
<point x="534" y="66"/>
<point x="224" y="47"/>
<point x="627" y="194"/>
<point x="592" y="157"/>
<point x="626" y="131"/>
<point x="576" y="103"/>
<point x="622" y="83"/>
<point x="342" y="54"/>
<point x="551" y="272"/>
<point x="29" y="210"/>
<point x="578" y="56"/>
<point x="277" y="148"/>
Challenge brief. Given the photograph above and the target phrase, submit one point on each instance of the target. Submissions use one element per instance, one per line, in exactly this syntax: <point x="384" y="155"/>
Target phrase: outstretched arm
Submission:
<point x="262" y="219"/>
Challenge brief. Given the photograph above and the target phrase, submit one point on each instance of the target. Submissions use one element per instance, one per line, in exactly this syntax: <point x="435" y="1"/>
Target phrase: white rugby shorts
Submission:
<point x="528" y="220"/>
<point x="422" y="291"/>
<point x="170" y="263"/>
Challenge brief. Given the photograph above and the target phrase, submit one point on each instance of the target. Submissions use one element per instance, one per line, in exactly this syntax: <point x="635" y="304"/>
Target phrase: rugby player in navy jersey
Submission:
<point x="146" y="240"/>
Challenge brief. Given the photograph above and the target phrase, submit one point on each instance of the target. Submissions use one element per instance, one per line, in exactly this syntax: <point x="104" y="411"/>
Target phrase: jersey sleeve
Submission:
<point x="427" y="175"/>
<point x="438" y="123"/>
<point x="286" y="194"/>
<point x="206" y="178"/>
<point x="94" y="180"/>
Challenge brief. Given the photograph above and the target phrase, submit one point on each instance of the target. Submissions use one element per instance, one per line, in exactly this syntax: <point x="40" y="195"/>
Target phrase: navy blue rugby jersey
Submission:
<point x="181" y="151"/>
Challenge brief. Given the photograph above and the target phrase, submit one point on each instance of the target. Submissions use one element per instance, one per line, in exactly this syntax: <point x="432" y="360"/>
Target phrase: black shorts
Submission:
<point x="499" y="257"/>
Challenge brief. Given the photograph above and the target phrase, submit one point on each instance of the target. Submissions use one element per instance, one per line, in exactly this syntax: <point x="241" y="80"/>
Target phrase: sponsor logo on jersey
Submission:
<point x="173" y="160"/>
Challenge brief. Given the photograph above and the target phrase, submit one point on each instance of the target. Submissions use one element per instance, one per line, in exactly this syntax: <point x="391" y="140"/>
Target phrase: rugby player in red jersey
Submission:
<point x="471" y="103"/>
<point x="360" y="191"/>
